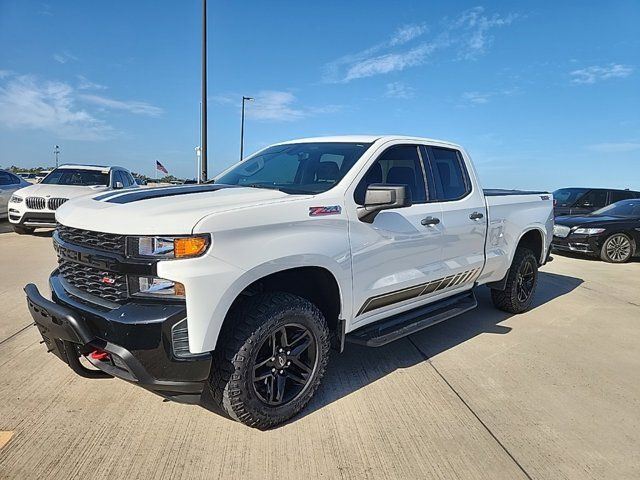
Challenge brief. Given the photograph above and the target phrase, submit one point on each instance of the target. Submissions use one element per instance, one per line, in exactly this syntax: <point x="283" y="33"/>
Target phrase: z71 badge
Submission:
<point x="322" y="211"/>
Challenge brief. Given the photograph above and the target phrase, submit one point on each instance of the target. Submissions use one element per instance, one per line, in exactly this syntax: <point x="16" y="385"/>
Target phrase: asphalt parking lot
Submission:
<point x="550" y="394"/>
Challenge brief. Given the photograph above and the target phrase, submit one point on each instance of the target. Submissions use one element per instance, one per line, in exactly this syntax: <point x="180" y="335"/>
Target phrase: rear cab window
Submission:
<point x="449" y="173"/>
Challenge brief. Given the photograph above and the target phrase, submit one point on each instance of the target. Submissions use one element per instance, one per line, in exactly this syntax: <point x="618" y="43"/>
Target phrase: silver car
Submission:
<point x="9" y="183"/>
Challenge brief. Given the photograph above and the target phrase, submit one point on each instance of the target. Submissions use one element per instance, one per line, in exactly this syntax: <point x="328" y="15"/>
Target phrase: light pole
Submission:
<point x="244" y="99"/>
<point x="203" y="169"/>
<point x="56" y="152"/>
<point x="198" y="166"/>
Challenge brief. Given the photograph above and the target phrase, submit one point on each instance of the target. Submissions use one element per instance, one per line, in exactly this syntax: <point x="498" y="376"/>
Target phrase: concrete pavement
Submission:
<point x="553" y="393"/>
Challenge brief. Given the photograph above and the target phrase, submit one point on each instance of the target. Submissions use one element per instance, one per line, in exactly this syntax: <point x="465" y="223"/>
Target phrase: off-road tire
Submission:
<point x="248" y="326"/>
<point x="507" y="299"/>
<point x="23" y="230"/>
<point x="604" y="254"/>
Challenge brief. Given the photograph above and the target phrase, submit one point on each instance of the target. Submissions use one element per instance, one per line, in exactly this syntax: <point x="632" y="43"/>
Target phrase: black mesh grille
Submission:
<point x="108" y="242"/>
<point x="107" y="285"/>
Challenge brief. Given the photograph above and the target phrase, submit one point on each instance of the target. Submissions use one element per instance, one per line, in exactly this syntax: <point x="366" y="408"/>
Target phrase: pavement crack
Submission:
<point x="15" y="334"/>
<point x="464" y="402"/>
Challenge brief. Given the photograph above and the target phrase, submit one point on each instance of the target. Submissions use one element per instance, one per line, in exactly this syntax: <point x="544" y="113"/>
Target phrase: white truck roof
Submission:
<point x="88" y="167"/>
<point x="367" y="139"/>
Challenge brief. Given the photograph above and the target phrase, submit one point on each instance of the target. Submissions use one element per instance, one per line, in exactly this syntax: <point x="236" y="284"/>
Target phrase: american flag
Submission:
<point x="160" y="167"/>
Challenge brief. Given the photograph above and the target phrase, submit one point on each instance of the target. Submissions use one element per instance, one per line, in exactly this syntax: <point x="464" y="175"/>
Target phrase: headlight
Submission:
<point x="15" y="199"/>
<point x="588" y="231"/>
<point x="168" y="247"/>
<point x="155" y="287"/>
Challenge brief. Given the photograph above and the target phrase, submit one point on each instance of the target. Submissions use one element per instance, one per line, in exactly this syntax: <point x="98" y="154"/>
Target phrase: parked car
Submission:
<point x="9" y="183"/>
<point x="240" y="286"/>
<point x="578" y="201"/>
<point x="612" y="233"/>
<point x="34" y="206"/>
<point x="41" y="175"/>
<point x="140" y="181"/>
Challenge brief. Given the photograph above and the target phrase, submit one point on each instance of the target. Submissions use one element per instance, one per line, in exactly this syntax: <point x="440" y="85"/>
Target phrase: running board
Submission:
<point x="402" y="324"/>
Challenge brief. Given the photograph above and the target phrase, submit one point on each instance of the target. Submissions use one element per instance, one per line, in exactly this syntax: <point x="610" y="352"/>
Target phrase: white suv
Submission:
<point x="34" y="206"/>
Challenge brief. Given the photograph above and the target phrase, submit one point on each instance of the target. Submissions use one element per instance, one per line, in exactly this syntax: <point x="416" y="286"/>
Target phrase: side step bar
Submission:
<point x="397" y="326"/>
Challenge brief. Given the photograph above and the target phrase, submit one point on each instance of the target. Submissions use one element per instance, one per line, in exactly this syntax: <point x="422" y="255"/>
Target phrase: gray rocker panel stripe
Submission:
<point x="146" y="194"/>
<point x="390" y="298"/>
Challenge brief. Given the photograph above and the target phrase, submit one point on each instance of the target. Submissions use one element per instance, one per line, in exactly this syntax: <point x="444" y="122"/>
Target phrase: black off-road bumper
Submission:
<point x="133" y="342"/>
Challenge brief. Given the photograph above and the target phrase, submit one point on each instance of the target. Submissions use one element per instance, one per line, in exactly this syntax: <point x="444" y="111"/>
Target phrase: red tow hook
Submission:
<point x="100" y="355"/>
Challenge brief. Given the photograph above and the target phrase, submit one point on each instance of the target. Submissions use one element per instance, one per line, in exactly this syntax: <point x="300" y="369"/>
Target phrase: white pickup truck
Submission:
<point x="241" y="286"/>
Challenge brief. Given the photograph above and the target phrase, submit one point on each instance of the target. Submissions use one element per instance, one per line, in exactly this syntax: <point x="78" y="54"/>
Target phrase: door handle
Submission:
<point x="476" y="216"/>
<point x="430" y="221"/>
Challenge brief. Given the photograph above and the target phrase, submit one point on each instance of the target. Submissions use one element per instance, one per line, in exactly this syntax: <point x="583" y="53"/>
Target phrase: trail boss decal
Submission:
<point x="322" y="211"/>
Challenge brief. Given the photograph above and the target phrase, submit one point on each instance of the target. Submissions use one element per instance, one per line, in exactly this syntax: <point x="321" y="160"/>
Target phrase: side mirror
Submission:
<point x="383" y="197"/>
<point x="118" y="186"/>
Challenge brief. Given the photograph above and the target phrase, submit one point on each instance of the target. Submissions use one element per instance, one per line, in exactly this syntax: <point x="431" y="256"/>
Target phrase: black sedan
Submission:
<point x="612" y="233"/>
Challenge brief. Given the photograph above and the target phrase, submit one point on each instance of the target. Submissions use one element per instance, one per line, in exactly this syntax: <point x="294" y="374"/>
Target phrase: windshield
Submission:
<point x="304" y="168"/>
<point x="623" y="208"/>
<point x="565" y="197"/>
<point x="77" y="176"/>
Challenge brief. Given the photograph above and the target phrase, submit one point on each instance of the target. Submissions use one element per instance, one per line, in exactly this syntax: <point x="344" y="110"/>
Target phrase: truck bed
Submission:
<point x="496" y="192"/>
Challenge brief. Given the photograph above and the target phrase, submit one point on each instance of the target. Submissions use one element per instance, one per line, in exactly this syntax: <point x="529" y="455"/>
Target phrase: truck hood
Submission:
<point x="58" y="191"/>
<point x="160" y="211"/>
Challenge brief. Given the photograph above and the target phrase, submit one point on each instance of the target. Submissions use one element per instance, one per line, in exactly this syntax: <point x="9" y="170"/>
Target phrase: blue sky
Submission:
<point x="542" y="94"/>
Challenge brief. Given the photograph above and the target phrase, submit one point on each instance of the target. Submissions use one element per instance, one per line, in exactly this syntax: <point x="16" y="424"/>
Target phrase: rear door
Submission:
<point x="464" y="214"/>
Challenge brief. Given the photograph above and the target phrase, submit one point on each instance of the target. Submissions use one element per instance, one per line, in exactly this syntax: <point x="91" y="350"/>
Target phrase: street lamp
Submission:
<point x="198" y="167"/>
<point x="244" y="99"/>
<point x="56" y="152"/>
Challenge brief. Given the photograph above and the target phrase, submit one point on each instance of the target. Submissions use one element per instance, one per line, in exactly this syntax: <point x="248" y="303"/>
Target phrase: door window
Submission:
<point x="618" y="195"/>
<point x="399" y="165"/>
<point x="594" y="198"/>
<point x="450" y="175"/>
<point x="7" y="179"/>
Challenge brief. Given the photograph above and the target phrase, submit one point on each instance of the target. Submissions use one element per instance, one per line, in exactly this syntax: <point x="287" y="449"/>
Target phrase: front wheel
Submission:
<point x="271" y="359"/>
<point x="618" y="248"/>
<point x="522" y="281"/>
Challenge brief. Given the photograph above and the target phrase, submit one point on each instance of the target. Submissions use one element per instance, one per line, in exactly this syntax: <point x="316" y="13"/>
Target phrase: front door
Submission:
<point x="397" y="258"/>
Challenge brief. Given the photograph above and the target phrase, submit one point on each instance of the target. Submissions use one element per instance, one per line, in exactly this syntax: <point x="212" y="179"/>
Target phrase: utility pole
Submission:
<point x="56" y="152"/>
<point x="244" y="99"/>
<point x="203" y="174"/>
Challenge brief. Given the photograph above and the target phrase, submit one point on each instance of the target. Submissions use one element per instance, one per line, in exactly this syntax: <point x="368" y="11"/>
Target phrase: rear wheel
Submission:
<point x="23" y="230"/>
<point x="618" y="248"/>
<point x="522" y="281"/>
<point x="270" y="360"/>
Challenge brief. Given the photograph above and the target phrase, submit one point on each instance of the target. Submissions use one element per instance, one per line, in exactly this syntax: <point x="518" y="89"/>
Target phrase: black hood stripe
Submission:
<point x="147" y="194"/>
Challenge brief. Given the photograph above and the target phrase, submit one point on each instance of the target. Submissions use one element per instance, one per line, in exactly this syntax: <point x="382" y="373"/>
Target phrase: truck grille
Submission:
<point x="106" y="285"/>
<point x="54" y="203"/>
<point x="108" y="242"/>
<point x="35" y="203"/>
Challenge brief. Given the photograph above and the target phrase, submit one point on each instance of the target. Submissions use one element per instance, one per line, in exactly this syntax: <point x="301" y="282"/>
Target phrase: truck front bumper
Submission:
<point x="134" y="342"/>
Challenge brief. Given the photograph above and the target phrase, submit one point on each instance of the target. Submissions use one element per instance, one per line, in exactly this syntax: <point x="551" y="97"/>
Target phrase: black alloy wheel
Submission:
<point x="286" y="362"/>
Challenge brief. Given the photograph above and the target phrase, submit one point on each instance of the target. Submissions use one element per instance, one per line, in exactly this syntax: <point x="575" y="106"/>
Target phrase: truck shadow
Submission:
<point x="359" y="366"/>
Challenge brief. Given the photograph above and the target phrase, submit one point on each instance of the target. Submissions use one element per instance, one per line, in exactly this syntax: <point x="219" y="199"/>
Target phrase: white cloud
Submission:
<point x="50" y="106"/>
<point x="64" y="57"/>
<point x="85" y="84"/>
<point x="464" y="37"/>
<point x="275" y="105"/>
<point x="471" y="30"/>
<point x="27" y="102"/>
<point x="593" y="74"/>
<point x="407" y="33"/>
<point x="615" y="147"/>
<point x="131" y="106"/>
<point x="476" y="98"/>
<point x="399" y="90"/>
